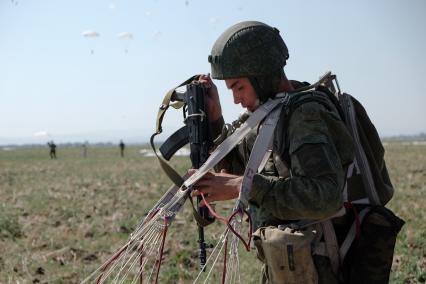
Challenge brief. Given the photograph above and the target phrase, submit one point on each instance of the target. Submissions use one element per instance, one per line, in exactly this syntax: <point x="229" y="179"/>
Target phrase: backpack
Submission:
<point x="369" y="168"/>
<point x="365" y="251"/>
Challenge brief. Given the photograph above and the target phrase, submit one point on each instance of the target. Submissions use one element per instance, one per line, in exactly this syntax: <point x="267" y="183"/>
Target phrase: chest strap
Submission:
<point x="259" y="151"/>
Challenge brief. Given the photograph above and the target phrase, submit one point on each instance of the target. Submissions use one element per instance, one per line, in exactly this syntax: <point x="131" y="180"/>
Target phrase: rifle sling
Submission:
<point x="167" y="168"/>
<point x="166" y="103"/>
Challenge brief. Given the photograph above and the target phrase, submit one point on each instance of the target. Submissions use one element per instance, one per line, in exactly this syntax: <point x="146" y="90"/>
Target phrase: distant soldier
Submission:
<point x="84" y="149"/>
<point x="122" y="146"/>
<point x="52" y="147"/>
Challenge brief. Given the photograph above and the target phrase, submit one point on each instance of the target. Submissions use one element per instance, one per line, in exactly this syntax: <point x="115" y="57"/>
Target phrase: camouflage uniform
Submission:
<point x="318" y="148"/>
<point x="305" y="175"/>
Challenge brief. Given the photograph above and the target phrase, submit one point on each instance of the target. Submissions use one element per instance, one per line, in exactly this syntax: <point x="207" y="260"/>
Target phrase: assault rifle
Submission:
<point x="196" y="133"/>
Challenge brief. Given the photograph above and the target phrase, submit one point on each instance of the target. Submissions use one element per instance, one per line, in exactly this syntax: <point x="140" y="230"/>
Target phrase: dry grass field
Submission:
<point x="60" y="219"/>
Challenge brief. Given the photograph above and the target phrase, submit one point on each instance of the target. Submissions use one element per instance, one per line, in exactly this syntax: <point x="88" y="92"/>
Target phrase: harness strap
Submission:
<point x="260" y="147"/>
<point x="331" y="245"/>
<point x="265" y="158"/>
<point x="349" y="174"/>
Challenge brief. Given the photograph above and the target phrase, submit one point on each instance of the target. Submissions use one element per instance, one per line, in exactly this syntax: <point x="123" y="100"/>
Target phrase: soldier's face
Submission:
<point x="243" y="93"/>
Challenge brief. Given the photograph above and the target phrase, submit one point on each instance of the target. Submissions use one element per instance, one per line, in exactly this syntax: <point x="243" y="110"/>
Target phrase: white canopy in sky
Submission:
<point x="90" y="33"/>
<point x="42" y="133"/>
<point x="125" y="35"/>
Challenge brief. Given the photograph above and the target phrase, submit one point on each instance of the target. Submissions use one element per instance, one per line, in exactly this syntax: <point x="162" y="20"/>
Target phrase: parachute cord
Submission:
<point x="224" y="260"/>
<point x="227" y="222"/>
<point x="160" y="258"/>
<point x="141" y="265"/>
<point x="110" y="261"/>
<point x="243" y="212"/>
<point x="216" y="215"/>
<point x="149" y="217"/>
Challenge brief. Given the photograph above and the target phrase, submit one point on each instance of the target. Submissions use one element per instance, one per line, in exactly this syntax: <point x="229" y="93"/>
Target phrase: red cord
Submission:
<point x="151" y="215"/>
<point x="109" y="262"/>
<point x="245" y="243"/>
<point x="227" y="222"/>
<point x="349" y="205"/>
<point x="161" y="249"/>
<point x="217" y="216"/>
<point x="118" y="253"/>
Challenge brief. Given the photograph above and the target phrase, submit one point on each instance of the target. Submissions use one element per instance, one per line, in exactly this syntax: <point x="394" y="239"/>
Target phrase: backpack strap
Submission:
<point x="361" y="158"/>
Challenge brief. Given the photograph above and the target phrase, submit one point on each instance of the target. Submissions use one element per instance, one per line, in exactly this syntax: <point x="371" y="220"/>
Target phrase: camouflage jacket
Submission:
<point x="305" y="175"/>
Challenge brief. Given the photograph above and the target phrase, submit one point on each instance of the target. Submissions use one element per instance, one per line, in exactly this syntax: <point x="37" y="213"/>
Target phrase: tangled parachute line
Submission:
<point x="140" y="259"/>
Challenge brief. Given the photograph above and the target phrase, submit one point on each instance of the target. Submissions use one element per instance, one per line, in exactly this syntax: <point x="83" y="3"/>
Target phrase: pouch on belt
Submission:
<point x="287" y="254"/>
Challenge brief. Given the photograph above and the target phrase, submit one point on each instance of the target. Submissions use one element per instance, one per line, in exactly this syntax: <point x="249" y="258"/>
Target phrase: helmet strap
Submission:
<point x="266" y="86"/>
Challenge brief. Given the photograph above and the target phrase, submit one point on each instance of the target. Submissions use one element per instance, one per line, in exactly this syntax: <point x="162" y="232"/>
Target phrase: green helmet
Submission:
<point x="250" y="49"/>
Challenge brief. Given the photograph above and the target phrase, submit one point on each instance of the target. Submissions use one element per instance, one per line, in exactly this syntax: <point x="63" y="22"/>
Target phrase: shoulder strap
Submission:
<point x="260" y="147"/>
<point x="361" y="157"/>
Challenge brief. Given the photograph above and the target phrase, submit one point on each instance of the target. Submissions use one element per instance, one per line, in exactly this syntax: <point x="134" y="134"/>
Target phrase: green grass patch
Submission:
<point x="61" y="219"/>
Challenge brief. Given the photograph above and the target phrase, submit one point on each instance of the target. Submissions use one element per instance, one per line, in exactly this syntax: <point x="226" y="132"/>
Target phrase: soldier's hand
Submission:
<point x="217" y="187"/>
<point x="214" y="109"/>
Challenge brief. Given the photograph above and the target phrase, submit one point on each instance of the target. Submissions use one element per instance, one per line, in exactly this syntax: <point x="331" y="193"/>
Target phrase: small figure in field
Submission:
<point x="122" y="146"/>
<point x="84" y="148"/>
<point x="52" y="147"/>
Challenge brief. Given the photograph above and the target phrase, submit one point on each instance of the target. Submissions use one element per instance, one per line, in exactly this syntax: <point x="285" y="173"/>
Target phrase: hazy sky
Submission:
<point x="54" y="80"/>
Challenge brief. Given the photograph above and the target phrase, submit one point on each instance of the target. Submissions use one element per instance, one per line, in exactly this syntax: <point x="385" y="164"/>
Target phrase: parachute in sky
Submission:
<point x="41" y="133"/>
<point x="90" y="34"/>
<point x="125" y="36"/>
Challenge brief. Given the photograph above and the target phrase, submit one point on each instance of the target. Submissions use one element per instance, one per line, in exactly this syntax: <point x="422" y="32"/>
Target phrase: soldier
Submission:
<point x="122" y="146"/>
<point x="84" y="147"/>
<point x="305" y="175"/>
<point x="52" y="147"/>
